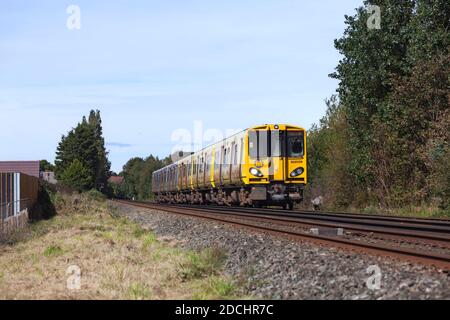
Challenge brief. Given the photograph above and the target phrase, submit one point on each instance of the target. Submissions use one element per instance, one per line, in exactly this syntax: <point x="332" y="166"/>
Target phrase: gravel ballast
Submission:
<point x="271" y="267"/>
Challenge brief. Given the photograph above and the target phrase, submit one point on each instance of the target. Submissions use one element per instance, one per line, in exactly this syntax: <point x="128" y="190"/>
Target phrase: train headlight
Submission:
<point x="256" y="172"/>
<point x="297" y="172"/>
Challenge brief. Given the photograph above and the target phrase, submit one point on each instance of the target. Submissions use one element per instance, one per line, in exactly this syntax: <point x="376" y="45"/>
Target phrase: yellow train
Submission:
<point x="263" y="165"/>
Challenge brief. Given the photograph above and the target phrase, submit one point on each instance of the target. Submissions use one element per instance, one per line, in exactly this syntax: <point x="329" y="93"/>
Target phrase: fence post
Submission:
<point x="1" y="221"/>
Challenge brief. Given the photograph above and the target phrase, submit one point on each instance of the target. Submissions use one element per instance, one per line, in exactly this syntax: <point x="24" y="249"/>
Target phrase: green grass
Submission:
<point x="53" y="251"/>
<point x="222" y="287"/>
<point x="138" y="291"/>
<point x="201" y="264"/>
<point x="138" y="231"/>
<point x="148" y="240"/>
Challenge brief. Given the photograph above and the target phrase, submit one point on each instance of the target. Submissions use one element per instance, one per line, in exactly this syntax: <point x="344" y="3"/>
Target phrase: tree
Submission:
<point x="371" y="57"/>
<point x="76" y="176"/>
<point x="415" y="134"/>
<point x="329" y="157"/>
<point x="394" y="91"/>
<point x="85" y="143"/>
<point x="44" y="165"/>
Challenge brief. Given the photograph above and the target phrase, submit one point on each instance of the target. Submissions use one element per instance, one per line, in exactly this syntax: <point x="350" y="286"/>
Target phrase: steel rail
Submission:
<point x="349" y="215"/>
<point x="441" y="233"/>
<point x="429" y="258"/>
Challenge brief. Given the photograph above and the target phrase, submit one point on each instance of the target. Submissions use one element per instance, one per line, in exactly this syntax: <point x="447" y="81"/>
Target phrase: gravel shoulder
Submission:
<point x="270" y="267"/>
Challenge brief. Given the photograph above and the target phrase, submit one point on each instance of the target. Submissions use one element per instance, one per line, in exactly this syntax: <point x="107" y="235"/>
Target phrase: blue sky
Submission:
<point x="154" y="67"/>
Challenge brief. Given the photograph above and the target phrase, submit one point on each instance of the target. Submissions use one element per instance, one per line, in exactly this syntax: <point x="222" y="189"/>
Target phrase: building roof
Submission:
<point x="30" y="168"/>
<point x="116" y="179"/>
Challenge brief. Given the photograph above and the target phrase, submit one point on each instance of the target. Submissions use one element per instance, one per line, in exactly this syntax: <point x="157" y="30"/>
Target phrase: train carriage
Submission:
<point x="263" y="165"/>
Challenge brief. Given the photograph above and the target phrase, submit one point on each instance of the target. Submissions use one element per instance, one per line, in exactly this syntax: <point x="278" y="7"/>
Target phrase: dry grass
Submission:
<point x="118" y="260"/>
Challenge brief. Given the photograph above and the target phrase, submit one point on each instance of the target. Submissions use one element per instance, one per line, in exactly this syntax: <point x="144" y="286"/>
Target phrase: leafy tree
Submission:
<point x="76" y="176"/>
<point x="371" y="57"/>
<point x="329" y="157"/>
<point x="85" y="143"/>
<point x="415" y="135"/>
<point x="394" y="96"/>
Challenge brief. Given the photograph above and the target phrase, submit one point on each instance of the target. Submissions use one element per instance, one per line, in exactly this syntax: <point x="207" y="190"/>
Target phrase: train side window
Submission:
<point x="235" y="160"/>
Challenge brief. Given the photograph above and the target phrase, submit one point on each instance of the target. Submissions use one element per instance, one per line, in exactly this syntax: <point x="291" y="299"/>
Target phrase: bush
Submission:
<point x="44" y="208"/>
<point x="95" y="195"/>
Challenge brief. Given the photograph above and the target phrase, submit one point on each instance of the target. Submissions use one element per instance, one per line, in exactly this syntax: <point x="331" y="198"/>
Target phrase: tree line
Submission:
<point x="385" y="137"/>
<point x="137" y="174"/>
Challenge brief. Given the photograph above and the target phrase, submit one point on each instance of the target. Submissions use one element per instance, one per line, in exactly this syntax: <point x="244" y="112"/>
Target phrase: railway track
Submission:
<point x="380" y="235"/>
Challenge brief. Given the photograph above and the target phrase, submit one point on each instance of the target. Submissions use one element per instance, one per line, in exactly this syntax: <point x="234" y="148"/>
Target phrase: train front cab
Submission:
<point x="275" y="168"/>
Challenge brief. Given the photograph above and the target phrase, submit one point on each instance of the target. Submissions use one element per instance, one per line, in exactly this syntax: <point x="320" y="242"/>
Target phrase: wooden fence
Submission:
<point x="18" y="195"/>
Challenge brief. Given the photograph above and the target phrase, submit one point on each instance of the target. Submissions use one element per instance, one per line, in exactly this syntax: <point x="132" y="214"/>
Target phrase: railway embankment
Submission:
<point x="267" y="266"/>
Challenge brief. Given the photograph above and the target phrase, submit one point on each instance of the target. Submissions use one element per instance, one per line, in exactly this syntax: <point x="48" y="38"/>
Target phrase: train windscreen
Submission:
<point x="276" y="143"/>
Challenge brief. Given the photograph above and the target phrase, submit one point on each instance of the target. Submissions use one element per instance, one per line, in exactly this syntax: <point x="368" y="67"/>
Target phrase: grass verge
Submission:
<point x="117" y="259"/>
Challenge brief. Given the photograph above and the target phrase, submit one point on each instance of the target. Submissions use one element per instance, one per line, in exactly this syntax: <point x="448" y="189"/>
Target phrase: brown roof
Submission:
<point x="30" y="168"/>
<point x="115" y="179"/>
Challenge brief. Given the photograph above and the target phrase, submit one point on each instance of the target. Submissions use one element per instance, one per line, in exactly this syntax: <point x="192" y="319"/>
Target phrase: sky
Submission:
<point x="161" y="70"/>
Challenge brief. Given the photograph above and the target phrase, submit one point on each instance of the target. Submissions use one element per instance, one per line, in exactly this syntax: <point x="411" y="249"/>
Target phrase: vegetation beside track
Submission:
<point x="384" y="141"/>
<point x="118" y="259"/>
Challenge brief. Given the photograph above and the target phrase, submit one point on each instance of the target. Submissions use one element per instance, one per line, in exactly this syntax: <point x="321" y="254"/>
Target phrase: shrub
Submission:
<point x="76" y="176"/>
<point x="95" y="195"/>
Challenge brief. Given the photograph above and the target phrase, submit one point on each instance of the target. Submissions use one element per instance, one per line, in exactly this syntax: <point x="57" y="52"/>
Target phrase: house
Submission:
<point x="48" y="176"/>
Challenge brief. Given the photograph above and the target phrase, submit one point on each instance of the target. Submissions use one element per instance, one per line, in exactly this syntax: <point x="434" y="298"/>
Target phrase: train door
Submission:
<point x="201" y="171"/>
<point x="184" y="176"/>
<point x="197" y="167"/>
<point x="217" y="162"/>
<point x="221" y="163"/>
<point x="191" y="172"/>
<point x="207" y="168"/>
<point x="174" y="178"/>
<point x="226" y="166"/>
<point x="238" y="152"/>
<point x="213" y="167"/>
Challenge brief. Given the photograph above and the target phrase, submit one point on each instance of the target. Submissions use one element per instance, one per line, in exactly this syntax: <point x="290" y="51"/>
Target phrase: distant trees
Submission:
<point x="137" y="173"/>
<point x="392" y="109"/>
<point x="81" y="158"/>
